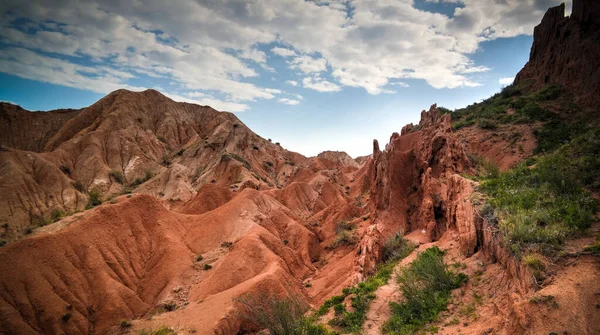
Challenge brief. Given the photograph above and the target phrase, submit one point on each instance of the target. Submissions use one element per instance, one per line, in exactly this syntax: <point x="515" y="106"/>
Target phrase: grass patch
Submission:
<point x="540" y="206"/>
<point x="426" y="286"/>
<point x="363" y="293"/>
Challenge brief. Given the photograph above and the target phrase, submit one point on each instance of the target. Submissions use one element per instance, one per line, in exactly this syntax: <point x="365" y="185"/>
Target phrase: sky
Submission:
<point x="313" y="75"/>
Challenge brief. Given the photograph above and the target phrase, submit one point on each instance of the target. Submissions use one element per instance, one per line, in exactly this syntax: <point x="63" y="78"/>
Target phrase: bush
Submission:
<point x="124" y="324"/>
<point x="66" y="317"/>
<point x="57" y="215"/>
<point x="549" y="92"/>
<point x="65" y="169"/>
<point x="117" y="176"/>
<point x="444" y="110"/>
<point x="139" y="181"/>
<point x="344" y="226"/>
<point x="78" y="185"/>
<point x="425" y="285"/>
<point x="510" y="91"/>
<point x="344" y="238"/>
<point x="534" y="112"/>
<point x="487" y="124"/>
<point x="164" y="330"/>
<point x="199" y="258"/>
<point x="534" y="262"/>
<point x="541" y="206"/>
<point x="207" y="267"/>
<point x="280" y="316"/>
<point x="94" y="198"/>
<point x="461" y="124"/>
<point x="396" y="247"/>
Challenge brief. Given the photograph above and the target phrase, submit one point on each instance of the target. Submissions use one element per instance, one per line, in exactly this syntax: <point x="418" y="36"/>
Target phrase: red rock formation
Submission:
<point x="408" y="184"/>
<point x="566" y="50"/>
<point x="137" y="135"/>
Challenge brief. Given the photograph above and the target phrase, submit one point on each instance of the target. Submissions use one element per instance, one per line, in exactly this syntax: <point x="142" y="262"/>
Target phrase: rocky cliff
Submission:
<point x="565" y="51"/>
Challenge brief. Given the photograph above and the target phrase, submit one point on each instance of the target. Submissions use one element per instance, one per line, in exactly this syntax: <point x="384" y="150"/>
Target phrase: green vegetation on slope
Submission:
<point x="426" y="286"/>
<point x="541" y="205"/>
<point x="526" y="107"/>
<point x="351" y="321"/>
<point x="280" y="316"/>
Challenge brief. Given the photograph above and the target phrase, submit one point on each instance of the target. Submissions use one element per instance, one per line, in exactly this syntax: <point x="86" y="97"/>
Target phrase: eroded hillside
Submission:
<point x="141" y="213"/>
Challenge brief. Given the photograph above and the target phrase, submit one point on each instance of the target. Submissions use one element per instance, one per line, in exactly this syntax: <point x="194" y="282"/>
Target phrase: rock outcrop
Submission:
<point x="565" y="51"/>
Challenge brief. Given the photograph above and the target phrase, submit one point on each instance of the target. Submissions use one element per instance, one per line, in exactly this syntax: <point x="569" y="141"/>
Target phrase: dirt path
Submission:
<point x="379" y="310"/>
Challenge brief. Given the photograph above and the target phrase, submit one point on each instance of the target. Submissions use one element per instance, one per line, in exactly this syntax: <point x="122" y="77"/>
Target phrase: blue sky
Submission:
<point x="313" y="75"/>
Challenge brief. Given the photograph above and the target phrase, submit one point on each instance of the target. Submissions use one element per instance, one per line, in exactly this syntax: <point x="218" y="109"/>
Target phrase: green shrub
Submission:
<point x="396" y="247"/>
<point x="444" y="110"/>
<point x="199" y="258"/>
<point x="94" y="198"/>
<point x="462" y="124"/>
<point x="426" y="286"/>
<point x="124" y="324"/>
<point x="117" y="176"/>
<point x="534" y="112"/>
<point x="534" y="262"/>
<point x="66" y="317"/>
<point x="280" y="316"/>
<point x="555" y="133"/>
<point x="139" y="181"/>
<point x="239" y="159"/>
<point x="2" y="243"/>
<point x="487" y="124"/>
<point x="78" y="185"/>
<point x="344" y="226"/>
<point x="164" y="330"/>
<point x="344" y="238"/>
<point x="207" y="267"/>
<point x="543" y="205"/>
<point x="65" y="169"/>
<point x="549" y="92"/>
<point x="510" y="91"/>
<point x="57" y="215"/>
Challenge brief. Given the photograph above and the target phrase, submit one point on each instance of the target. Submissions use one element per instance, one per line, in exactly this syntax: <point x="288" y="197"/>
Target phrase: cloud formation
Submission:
<point x="506" y="81"/>
<point x="218" y="47"/>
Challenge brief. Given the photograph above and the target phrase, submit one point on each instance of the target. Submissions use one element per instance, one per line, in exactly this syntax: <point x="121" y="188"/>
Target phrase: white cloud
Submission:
<point x="506" y="81"/>
<point x="400" y="83"/>
<point x="291" y="102"/>
<point x="200" y="98"/>
<point x="299" y="97"/>
<point x="283" y="52"/>
<point x="308" y="64"/>
<point x="212" y="46"/>
<point x="320" y="85"/>
<point x="292" y="82"/>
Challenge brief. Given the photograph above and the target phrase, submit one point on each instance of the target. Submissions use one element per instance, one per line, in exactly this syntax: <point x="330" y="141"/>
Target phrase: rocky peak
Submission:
<point x="429" y="120"/>
<point x="565" y="51"/>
